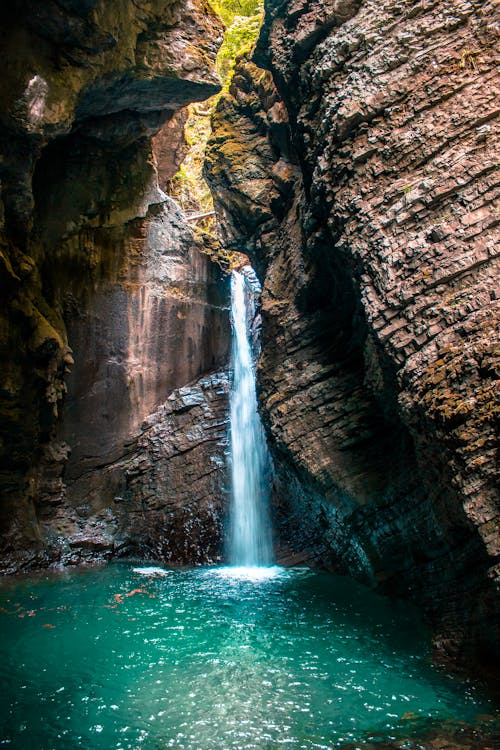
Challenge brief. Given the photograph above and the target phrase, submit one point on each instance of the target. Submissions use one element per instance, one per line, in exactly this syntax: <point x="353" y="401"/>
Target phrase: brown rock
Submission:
<point x="379" y="266"/>
<point x="91" y="254"/>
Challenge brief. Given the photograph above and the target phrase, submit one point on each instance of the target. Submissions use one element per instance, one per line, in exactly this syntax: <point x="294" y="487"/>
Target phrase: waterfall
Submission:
<point x="250" y="529"/>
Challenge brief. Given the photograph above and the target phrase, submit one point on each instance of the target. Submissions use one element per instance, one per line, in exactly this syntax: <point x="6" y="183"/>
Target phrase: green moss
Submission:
<point x="242" y="19"/>
<point x="239" y="39"/>
<point x="229" y="9"/>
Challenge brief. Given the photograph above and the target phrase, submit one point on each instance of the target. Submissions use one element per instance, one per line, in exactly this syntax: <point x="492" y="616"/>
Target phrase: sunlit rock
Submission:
<point x="367" y="208"/>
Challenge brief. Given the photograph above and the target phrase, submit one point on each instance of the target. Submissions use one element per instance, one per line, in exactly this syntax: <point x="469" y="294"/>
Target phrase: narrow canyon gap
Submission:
<point x="352" y="161"/>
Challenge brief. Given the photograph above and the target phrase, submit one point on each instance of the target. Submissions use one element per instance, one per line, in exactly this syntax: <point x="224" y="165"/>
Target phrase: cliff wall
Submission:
<point x="109" y="306"/>
<point x="353" y="160"/>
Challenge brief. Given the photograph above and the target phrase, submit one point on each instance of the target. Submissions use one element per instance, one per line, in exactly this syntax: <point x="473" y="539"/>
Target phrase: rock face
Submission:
<point x="109" y="305"/>
<point x="356" y="170"/>
<point x="161" y="496"/>
<point x="160" y="324"/>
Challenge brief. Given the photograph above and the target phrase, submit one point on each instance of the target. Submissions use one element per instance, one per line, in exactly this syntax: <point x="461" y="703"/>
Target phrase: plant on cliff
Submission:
<point x="242" y="19"/>
<point x="188" y="186"/>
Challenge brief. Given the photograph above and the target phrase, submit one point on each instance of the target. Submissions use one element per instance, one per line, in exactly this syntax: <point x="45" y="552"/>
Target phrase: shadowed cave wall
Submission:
<point x="114" y="331"/>
<point x="353" y="160"/>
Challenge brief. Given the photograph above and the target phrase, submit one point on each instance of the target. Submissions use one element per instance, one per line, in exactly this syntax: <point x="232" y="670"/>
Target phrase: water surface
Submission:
<point x="209" y="659"/>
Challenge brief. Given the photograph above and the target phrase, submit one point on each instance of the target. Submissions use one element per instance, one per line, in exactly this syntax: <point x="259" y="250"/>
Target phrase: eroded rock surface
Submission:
<point x="161" y="496"/>
<point x="358" y="173"/>
<point x="107" y="297"/>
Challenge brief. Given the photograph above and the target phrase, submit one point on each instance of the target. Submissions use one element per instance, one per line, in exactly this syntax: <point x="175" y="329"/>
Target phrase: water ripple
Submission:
<point x="213" y="659"/>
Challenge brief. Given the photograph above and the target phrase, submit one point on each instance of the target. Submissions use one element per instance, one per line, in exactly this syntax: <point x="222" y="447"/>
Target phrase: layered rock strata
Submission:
<point x="162" y="495"/>
<point x="356" y="167"/>
<point x="109" y="305"/>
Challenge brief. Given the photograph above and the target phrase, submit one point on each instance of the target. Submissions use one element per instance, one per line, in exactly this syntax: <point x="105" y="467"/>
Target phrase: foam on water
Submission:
<point x="214" y="659"/>
<point x="151" y="571"/>
<point x="248" y="572"/>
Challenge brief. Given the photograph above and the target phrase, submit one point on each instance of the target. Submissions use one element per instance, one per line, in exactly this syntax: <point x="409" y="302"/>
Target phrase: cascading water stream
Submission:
<point x="250" y="530"/>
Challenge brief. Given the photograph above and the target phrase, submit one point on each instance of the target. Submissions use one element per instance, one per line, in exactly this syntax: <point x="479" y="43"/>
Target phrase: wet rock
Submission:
<point x="109" y="305"/>
<point x="162" y="321"/>
<point x="169" y="147"/>
<point x="164" y="497"/>
<point x="371" y="225"/>
<point x="451" y="736"/>
<point x="159" y="321"/>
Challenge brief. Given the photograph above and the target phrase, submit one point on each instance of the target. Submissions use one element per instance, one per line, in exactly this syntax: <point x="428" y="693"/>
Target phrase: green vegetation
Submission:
<point x="188" y="186"/>
<point x="242" y="19"/>
<point x="229" y="9"/>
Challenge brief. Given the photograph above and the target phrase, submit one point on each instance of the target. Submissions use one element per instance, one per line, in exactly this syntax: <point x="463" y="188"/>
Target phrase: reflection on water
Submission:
<point x="213" y="659"/>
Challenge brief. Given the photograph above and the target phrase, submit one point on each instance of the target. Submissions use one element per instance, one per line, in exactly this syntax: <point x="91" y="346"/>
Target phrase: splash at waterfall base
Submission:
<point x="130" y="657"/>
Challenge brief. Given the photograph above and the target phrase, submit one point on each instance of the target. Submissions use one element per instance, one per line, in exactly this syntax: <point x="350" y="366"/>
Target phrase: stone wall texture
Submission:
<point x="162" y="494"/>
<point x="108" y="305"/>
<point x="354" y="161"/>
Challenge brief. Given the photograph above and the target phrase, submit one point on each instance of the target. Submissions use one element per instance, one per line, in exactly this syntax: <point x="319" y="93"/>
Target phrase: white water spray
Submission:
<point x="250" y="530"/>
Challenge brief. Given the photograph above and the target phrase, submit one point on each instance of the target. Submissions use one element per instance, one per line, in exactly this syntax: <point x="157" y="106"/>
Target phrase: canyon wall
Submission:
<point x="353" y="160"/>
<point x="110" y="307"/>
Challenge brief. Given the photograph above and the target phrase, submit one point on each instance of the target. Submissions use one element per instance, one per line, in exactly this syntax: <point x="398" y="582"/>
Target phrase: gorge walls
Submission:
<point x="110" y="309"/>
<point x="353" y="161"/>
